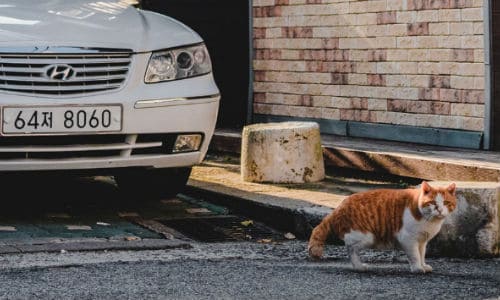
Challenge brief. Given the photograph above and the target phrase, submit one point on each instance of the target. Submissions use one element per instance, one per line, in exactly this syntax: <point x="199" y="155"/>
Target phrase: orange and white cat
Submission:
<point x="388" y="218"/>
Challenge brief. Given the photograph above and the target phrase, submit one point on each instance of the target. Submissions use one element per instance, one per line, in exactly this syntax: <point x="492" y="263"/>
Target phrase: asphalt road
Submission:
<point x="42" y="210"/>
<point x="239" y="271"/>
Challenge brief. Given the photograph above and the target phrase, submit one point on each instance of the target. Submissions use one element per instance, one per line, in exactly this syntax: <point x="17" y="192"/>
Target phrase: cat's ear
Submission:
<point x="425" y="187"/>
<point x="452" y="188"/>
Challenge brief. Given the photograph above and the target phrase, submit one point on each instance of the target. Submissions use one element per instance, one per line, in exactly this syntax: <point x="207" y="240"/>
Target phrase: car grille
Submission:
<point x="88" y="73"/>
<point x="85" y="146"/>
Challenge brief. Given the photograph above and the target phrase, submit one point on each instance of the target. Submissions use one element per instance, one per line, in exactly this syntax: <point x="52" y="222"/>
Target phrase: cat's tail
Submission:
<point x="318" y="237"/>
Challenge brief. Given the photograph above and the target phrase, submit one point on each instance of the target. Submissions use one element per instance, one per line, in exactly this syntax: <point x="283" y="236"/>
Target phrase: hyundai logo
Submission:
<point x="60" y="72"/>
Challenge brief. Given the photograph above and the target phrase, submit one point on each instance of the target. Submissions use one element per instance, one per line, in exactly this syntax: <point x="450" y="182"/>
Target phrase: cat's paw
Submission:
<point x="361" y="267"/>
<point x="417" y="269"/>
<point x="427" y="268"/>
<point x="315" y="251"/>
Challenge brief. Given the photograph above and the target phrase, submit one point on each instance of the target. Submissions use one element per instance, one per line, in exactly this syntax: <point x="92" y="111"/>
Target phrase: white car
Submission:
<point x="105" y="87"/>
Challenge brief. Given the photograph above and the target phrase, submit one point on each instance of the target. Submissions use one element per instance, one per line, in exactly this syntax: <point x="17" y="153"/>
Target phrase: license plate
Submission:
<point x="61" y="119"/>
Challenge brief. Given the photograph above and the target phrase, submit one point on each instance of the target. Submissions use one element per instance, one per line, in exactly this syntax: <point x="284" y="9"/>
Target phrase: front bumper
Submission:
<point x="149" y="110"/>
<point x="145" y="130"/>
<point x="151" y="161"/>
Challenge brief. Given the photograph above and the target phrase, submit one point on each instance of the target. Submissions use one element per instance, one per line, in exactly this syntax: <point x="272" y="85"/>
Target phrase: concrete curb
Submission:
<point x="82" y="245"/>
<point x="471" y="231"/>
<point x="279" y="217"/>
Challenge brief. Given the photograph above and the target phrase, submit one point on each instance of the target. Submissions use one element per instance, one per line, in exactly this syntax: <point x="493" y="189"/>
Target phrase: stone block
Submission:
<point x="473" y="228"/>
<point x="287" y="152"/>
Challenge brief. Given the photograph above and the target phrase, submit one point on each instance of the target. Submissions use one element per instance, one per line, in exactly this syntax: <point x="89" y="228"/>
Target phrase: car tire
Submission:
<point x="153" y="184"/>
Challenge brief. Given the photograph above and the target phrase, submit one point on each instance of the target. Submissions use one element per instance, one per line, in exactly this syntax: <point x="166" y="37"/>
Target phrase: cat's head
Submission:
<point x="437" y="202"/>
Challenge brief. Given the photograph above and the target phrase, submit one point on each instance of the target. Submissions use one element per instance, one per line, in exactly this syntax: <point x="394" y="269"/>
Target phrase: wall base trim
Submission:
<point x="400" y="133"/>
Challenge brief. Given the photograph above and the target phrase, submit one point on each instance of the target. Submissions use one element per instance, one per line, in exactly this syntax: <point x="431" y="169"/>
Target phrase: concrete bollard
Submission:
<point x="288" y="152"/>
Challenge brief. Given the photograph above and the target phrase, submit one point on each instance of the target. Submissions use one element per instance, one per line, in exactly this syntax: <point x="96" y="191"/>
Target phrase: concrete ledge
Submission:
<point x="226" y="141"/>
<point x="402" y="159"/>
<point x="471" y="231"/>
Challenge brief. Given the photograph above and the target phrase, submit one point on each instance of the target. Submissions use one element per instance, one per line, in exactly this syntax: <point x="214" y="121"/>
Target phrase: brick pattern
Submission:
<point x="406" y="62"/>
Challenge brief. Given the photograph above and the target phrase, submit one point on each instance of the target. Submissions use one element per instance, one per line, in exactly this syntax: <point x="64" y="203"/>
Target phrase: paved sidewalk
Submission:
<point x="303" y="204"/>
<point x="471" y="231"/>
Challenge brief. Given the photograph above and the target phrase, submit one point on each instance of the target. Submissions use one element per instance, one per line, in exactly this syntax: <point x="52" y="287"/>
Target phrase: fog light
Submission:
<point x="187" y="143"/>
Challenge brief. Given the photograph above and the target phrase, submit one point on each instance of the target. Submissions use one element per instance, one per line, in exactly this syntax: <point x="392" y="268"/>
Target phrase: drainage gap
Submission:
<point x="222" y="229"/>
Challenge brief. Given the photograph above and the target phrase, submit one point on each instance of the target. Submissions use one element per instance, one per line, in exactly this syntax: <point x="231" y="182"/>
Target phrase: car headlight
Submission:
<point x="178" y="63"/>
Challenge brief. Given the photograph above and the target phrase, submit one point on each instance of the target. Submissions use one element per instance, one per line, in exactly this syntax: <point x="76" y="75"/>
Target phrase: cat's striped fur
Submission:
<point x="387" y="218"/>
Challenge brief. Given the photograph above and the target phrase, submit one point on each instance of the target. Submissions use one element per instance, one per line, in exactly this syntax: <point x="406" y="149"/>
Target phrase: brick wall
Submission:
<point x="404" y="62"/>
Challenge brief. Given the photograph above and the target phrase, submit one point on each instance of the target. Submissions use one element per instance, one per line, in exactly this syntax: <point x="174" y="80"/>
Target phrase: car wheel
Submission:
<point x="152" y="184"/>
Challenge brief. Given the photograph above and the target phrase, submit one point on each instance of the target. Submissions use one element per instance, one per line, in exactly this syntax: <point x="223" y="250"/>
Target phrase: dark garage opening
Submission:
<point x="495" y="97"/>
<point x="224" y="25"/>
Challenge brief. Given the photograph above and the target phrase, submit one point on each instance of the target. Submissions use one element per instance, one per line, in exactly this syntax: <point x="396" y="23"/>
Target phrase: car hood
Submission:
<point x="85" y="23"/>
